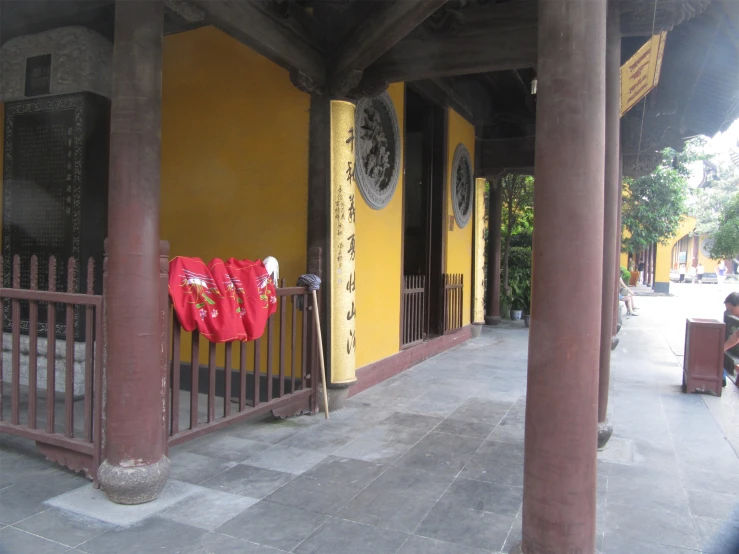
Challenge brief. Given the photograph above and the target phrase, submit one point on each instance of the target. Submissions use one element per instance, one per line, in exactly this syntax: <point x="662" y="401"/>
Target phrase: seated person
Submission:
<point x="625" y="295"/>
<point x="732" y="306"/>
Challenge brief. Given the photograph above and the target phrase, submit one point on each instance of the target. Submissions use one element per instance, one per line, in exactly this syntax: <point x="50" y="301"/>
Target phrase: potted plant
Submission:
<point x="527" y="303"/>
<point x="520" y="287"/>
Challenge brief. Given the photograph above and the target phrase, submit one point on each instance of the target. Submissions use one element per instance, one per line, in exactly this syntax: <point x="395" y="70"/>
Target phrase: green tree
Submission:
<point x="720" y="184"/>
<point x="726" y="236"/>
<point x="653" y="205"/>
<point x="518" y="213"/>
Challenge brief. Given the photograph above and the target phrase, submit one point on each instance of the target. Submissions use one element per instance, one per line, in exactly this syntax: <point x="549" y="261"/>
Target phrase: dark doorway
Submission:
<point x="424" y="204"/>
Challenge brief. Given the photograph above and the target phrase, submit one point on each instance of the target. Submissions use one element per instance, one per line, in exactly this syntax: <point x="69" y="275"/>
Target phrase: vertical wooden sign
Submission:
<point x="478" y="270"/>
<point x="343" y="245"/>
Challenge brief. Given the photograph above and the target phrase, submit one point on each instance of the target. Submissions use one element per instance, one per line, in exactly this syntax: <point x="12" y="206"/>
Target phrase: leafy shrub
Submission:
<point x="625" y="275"/>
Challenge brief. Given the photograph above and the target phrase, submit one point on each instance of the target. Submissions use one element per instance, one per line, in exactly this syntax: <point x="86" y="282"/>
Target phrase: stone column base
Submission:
<point x="614" y="342"/>
<point x="336" y="398"/>
<point x="133" y="485"/>
<point x="517" y="549"/>
<point x="493" y="320"/>
<point x="605" y="430"/>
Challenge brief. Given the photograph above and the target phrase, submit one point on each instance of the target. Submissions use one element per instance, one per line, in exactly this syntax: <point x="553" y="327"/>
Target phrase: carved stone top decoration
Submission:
<point x="80" y="60"/>
<point x="377" y="151"/>
<point x="462" y="185"/>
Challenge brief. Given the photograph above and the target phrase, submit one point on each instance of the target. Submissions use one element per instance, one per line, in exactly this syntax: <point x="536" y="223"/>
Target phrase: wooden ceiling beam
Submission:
<point x="444" y="56"/>
<point x="386" y="25"/>
<point x="283" y="40"/>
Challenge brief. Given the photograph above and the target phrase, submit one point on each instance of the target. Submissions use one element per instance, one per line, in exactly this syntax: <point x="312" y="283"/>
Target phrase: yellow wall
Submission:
<point x="234" y="155"/>
<point x="379" y="257"/>
<point x="664" y="252"/>
<point x="459" y="241"/>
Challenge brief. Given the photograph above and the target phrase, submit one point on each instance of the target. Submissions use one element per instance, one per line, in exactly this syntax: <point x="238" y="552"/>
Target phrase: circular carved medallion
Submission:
<point x="462" y="185"/>
<point x="377" y="152"/>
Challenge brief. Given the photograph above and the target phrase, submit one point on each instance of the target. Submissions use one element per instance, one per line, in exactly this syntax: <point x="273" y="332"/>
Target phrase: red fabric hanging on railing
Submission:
<point x="224" y="301"/>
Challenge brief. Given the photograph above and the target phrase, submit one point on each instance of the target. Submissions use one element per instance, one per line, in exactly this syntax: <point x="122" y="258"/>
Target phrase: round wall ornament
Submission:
<point x="462" y="185"/>
<point x="377" y="151"/>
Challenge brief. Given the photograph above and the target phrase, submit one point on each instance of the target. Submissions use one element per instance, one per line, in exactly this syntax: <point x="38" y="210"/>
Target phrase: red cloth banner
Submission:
<point x="225" y="301"/>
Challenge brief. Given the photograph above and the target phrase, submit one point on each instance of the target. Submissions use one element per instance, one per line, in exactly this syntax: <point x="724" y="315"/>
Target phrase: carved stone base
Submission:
<point x="336" y="398"/>
<point x="614" y="343"/>
<point x="475" y="330"/>
<point x="133" y="485"/>
<point x="605" y="430"/>
<point x="493" y="320"/>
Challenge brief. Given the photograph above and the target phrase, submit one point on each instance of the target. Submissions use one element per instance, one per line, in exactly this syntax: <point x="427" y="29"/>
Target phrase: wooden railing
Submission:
<point x="68" y="429"/>
<point x="453" y="301"/>
<point x="413" y="310"/>
<point x="272" y="373"/>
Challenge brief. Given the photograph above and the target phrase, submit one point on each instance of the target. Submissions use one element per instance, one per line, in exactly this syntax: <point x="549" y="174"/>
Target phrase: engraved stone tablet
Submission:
<point x="377" y="152"/>
<point x="462" y="192"/>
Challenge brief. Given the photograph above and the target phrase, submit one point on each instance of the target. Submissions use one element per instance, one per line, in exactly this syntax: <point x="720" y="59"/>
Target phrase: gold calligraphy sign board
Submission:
<point x="640" y="74"/>
<point x="343" y="346"/>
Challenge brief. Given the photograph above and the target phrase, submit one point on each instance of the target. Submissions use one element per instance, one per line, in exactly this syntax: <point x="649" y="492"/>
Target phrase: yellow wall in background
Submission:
<point x="379" y="255"/>
<point x="459" y="241"/>
<point x="234" y="156"/>
<point x="663" y="264"/>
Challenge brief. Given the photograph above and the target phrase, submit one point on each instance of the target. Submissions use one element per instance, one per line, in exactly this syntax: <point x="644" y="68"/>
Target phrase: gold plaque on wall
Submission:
<point x="343" y="244"/>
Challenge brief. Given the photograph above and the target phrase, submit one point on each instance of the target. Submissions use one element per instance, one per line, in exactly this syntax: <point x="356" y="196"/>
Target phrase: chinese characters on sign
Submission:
<point x="640" y="74"/>
<point x="343" y="244"/>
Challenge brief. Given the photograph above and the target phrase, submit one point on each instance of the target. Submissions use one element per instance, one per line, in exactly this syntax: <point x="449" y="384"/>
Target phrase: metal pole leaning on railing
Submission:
<point x="313" y="283"/>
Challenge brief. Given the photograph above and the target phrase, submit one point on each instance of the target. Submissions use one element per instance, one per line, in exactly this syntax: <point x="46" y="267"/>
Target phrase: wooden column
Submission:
<point x="610" y="220"/>
<point x="648" y="264"/>
<point x="562" y="393"/>
<point x="495" y="206"/>
<point x="619" y="240"/>
<point x="136" y="467"/>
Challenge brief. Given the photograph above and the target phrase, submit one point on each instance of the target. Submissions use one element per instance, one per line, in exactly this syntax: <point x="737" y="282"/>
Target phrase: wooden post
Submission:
<point x="562" y="394"/>
<point x="610" y="220"/>
<point x="495" y="206"/>
<point x="136" y="467"/>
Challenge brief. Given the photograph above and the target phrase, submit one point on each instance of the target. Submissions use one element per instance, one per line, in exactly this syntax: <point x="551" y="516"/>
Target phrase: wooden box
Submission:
<point x="703" y="366"/>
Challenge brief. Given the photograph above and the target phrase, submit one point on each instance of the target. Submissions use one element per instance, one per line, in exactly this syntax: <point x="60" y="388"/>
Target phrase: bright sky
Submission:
<point x="722" y="143"/>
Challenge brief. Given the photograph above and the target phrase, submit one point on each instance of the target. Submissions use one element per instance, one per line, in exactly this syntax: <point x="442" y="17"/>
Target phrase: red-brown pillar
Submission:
<point x="562" y="393"/>
<point x="610" y="219"/>
<point x="619" y="227"/>
<point x="648" y="264"/>
<point x="136" y="466"/>
<point x="495" y="206"/>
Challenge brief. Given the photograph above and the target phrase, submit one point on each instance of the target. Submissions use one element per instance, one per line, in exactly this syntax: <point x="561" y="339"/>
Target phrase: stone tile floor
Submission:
<point x="429" y="462"/>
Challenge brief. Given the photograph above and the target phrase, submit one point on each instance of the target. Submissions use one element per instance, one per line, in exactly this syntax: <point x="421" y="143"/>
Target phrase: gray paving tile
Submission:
<point x="208" y="509"/>
<point x="226" y="447"/>
<point x="15" y="541"/>
<point x="246" y="480"/>
<point x="387" y="510"/>
<point x="718" y="537"/>
<point x="713" y="505"/>
<point x="465" y="428"/>
<point x="479" y="410"/>
<point x="617" y="544"/>
<point x="26" y="466"/>
<point x="215" y="543"/>
<point x="422" y="545"/>
<point x="384" y="444"/>
<point x="154" y="535"/>
<point x="411" y="482"/>
<point x="271" y="431"/>
<point x="319" y="496"/>
<point x="64" y="527"/>
<point x="440" y="453"/>
<point x="346" y="537"/>
<point x="345" y="471"/>
<point x="23" y="500"/>
<point x="287" y="459"/>
<point x="450" y="523"/>
<point x="274" y="525"/>
<point x="489" y="467"/>
<point x="417" y="421"/>
<point x="647" y="490"/>
<point x="657" y="526"/>
<point x="484" y="496"/>
<point x="707" y="480"/>
<point x="196" y="468"/>
<point x="319" y="438"/>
